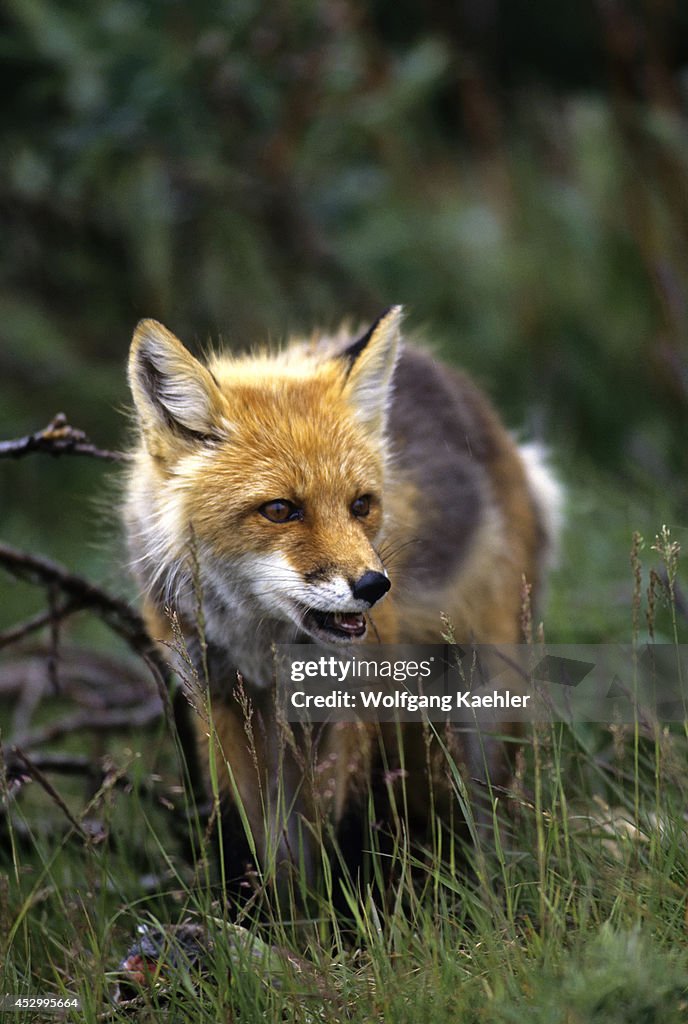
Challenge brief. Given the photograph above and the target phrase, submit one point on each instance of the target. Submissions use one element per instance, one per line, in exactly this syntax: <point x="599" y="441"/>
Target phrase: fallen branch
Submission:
<point x="115" y="612"/>
<point x="23" y="629"/>
<point x="58" y="438"/>
<point x="119" y="616"/>
<point x="89" y="678"/>
<point x="120" y="720"/>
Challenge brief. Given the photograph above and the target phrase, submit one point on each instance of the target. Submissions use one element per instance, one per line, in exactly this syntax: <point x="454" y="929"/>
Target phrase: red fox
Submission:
<point x="338" y="492"/>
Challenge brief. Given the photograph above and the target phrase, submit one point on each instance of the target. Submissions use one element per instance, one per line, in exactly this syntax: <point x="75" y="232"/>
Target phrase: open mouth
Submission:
<point x="335" y="625"/>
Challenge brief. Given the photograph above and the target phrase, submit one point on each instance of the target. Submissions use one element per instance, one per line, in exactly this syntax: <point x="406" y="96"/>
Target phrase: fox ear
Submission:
<point x="171" y="390"/>
<point x="372" y="360"/>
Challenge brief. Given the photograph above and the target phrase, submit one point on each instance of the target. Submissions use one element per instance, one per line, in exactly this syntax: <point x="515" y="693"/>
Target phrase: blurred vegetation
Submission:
<point x="515" y="173"/>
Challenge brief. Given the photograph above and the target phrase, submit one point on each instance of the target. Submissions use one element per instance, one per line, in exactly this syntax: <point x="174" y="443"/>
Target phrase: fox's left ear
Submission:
<point x="372" y="360"/>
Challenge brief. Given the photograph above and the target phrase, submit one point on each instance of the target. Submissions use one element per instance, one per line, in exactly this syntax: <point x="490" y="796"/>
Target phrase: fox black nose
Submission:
<point x="371" y="587"/>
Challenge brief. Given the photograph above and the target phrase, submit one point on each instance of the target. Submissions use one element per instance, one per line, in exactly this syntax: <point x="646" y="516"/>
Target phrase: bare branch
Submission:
<point x="115" y="612"/>
<point x="89" y="678"/>
<point x="58" y="438"/>
<point x="96" y="771"/>
<point x="128" y="624"/>
<point x="124" y="720"/>
<point x="35" y="772"/>
<point x="62" y="764"/>
<point x="23" y="629"/>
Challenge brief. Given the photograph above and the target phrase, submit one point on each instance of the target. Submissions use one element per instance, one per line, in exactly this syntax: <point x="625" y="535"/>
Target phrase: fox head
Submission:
<point x="271" y="468"/>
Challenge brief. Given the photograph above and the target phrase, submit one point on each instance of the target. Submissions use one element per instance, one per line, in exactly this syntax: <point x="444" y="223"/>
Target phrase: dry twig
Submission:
<point x="35" y="772"/>
<point x="126" y="623"/>
<point x="68" y="593"/>
<point x="58" y="438"/>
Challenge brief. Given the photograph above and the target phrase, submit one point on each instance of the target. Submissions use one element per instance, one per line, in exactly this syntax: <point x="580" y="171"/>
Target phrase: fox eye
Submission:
<point x="360" y="507"/>
<point x="281" y="511"/>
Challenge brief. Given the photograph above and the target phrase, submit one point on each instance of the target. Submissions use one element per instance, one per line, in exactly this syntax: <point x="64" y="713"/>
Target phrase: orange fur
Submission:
<point x="450" y="518"/>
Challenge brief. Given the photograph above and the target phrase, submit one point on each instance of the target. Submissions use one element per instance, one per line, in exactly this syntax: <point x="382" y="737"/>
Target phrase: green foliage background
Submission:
<point x="515" y="174"/>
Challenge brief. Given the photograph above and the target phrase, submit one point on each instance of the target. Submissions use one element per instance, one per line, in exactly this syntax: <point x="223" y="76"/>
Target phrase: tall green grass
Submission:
<point x="570" y="907"/>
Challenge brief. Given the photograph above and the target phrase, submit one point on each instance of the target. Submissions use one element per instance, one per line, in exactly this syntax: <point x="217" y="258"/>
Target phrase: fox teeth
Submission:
<point x="339" y="618"/>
